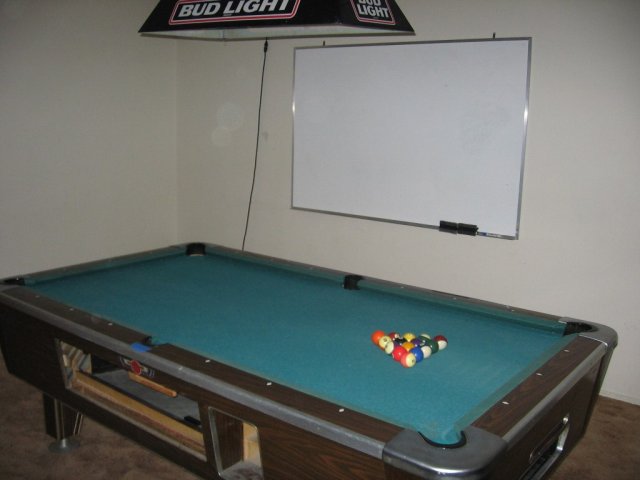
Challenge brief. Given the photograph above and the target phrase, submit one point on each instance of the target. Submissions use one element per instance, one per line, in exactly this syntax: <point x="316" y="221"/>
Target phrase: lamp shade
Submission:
<point x="240" y="19"/>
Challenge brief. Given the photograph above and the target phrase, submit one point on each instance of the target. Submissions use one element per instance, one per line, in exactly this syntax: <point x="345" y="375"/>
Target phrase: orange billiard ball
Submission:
<point x="376" y="336"/>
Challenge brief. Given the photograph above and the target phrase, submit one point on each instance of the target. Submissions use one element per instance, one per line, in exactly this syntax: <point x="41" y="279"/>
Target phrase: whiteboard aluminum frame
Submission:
<point x="529" y="41"/>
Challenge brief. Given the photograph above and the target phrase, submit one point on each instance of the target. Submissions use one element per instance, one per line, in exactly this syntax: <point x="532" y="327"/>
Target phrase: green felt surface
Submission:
<point x="306" y="331"/>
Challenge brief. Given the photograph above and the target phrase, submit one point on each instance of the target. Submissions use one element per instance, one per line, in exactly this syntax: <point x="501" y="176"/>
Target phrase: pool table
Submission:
<point x="236" y="365"/>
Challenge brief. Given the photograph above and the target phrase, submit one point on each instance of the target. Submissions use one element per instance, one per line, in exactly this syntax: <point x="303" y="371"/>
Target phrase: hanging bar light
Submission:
<point x="245" y="19"/>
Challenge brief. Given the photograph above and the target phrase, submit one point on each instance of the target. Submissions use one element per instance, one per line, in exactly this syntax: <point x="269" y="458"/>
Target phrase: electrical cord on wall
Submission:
<point x="255" y="160"/>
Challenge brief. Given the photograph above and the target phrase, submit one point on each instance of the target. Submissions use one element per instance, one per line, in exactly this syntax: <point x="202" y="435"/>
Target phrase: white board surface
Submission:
<point x="414" y="133"/>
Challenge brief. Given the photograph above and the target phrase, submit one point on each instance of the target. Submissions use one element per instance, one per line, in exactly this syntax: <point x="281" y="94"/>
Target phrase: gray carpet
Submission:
<point x="610" y="450"/>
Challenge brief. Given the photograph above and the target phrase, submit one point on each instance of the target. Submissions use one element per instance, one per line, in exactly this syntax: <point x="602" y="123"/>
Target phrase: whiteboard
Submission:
<point x="414" y="133"/>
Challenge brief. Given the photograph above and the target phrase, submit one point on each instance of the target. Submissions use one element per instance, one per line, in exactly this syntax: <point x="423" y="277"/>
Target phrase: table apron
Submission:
<point x="323" y="428"/>
<point x="520" y="428"/>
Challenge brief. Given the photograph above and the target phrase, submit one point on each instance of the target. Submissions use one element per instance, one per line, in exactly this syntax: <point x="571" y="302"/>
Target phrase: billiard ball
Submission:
<point x="426" y="351"/>
<point x="384" y="340"/>
<point x="376" y="336"/>
<point x="408" y="361"/>
<point x="398" y="353"/>
<point x="442" y="341"/>
<point x="417" y="352"/>
<point x="389" y="348"/>
<point x="408" y="346"/>
<point x="433" y="345"/>
<point x="409" y="336"/>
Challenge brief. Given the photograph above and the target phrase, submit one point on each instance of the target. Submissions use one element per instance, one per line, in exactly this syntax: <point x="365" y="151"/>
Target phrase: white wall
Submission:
<point x="578" y="252"/>
<point x="87" y="133"/>
<point x="218" y="91"/>
<point x="112" y="143"/>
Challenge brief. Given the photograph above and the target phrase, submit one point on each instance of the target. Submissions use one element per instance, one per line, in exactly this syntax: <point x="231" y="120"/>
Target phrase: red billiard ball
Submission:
<point x="398" y="353"/>
<point x="442" y="341"/>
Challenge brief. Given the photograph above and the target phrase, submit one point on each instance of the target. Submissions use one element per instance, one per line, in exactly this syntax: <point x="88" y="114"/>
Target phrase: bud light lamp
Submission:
<point x="247" y="19"/>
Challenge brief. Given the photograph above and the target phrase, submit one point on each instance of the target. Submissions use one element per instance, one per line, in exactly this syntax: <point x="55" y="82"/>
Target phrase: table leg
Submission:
<point x="61" y="422"/>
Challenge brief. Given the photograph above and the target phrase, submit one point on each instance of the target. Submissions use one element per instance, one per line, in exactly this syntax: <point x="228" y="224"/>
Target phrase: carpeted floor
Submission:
<point x="610" y="450"/>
